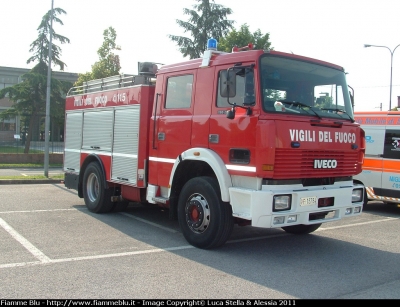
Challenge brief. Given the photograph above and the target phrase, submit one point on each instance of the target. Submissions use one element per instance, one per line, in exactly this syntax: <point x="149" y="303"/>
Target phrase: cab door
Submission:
<point x="235" y="139"/>
<point x="171" y="126"/>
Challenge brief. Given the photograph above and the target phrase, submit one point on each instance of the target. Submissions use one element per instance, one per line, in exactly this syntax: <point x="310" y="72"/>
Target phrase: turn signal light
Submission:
<point x="267" y="167"/>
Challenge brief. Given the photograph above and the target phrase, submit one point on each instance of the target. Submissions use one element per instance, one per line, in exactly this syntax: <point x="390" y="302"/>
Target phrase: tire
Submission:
<point x="97" y="197"/>
<point x="301" y="229"/>
<point x="205" y="220"/>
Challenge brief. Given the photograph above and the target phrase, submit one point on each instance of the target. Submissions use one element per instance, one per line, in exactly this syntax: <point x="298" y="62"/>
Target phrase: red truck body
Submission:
<point x="219" y="140"/>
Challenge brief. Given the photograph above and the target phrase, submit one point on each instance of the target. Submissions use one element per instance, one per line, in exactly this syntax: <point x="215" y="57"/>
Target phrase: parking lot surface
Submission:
<point x="51" y="246"/>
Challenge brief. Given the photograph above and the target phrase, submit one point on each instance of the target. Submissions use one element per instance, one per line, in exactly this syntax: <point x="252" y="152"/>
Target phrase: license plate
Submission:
<point x="308" y="201"/>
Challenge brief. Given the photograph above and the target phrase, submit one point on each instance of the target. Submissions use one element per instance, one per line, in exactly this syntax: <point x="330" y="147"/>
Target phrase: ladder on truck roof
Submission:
<point x="146" y="76"/>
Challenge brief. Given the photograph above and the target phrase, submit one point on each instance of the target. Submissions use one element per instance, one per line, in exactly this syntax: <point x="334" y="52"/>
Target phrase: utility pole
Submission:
<point x="380" y="107"/>
<point x="391" y="68"/>
<point x="47" y="120"/>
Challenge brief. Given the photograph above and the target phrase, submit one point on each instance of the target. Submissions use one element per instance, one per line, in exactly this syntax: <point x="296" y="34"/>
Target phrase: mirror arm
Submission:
<point x="227" y="86"/>
<point x="231" y="113"/>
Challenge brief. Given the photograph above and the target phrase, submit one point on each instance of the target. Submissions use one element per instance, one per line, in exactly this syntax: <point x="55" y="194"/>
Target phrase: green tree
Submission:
<point x="108" y="64"/>
<point x="274" y="95"/>
<point x="206" y="20"/>
<point x="29" y="96"/>
<point x="40" y="46"/>
<point x="324" y="101"/>
<point x="243" y="37"/>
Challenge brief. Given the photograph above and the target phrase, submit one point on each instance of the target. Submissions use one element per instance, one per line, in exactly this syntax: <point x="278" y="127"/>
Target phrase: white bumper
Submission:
<point x="257" y="205"/>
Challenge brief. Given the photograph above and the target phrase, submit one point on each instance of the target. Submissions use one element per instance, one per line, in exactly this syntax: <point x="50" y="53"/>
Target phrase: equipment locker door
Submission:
<point x="126" y="144"/>
<point x="73" y="141"/>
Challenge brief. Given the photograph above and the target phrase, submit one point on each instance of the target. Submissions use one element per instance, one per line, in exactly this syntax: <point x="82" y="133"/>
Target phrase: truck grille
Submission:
<point x="300" y="164"/>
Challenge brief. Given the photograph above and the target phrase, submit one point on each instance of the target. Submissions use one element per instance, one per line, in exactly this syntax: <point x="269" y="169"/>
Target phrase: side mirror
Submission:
<point x="227" y="83"/>
<point x="352" y="100"/>
<point x="351" y="93"/>
<point x="230" y="114"/>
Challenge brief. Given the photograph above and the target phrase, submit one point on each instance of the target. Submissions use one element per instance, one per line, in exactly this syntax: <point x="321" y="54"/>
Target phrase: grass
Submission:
<point x="33" y="177"/>
<point x="27" y="165"/>
<point x="11" y="149"/>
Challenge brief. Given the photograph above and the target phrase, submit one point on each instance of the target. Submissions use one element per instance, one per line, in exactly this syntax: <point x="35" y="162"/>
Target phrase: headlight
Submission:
<point x="357" y="195"/>
<point x="282" y="202"/>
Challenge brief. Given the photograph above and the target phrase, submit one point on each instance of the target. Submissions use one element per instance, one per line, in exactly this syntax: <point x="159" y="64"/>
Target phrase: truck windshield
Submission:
<point x="304" y="88"/>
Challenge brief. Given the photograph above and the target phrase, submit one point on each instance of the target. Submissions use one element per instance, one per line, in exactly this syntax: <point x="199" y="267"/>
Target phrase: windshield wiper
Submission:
<point x="337" y="112"/>
<point x="303" y="106"/>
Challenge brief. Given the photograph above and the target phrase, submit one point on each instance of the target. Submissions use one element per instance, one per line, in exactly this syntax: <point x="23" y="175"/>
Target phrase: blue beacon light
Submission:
<point x="211" y="44"/>
<point x="211" y="49"/>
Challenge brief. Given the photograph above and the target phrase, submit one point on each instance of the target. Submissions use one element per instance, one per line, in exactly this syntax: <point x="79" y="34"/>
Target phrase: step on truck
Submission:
<point x="252" y="137"/>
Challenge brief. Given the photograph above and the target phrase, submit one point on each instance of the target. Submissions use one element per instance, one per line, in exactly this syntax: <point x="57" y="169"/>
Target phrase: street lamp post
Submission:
<point x="391" y="68"/>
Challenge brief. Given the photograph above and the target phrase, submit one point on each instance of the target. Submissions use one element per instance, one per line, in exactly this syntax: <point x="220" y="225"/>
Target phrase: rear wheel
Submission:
<point x="205" y="220"/>
<point x="301" y="229"/>
<point x="97" y="197"/>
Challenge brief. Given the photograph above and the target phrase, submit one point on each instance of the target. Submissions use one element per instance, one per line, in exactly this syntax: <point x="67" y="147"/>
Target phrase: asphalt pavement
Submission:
<point x="52" y="247"/>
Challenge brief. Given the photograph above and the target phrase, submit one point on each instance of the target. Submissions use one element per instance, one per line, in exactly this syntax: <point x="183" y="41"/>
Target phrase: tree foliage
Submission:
<point x="206" y="20"/>
<point x="243" y="37"/>
<point x="324" y="101"/>
<point x="108" y="64"/>
<point x="40" y="46"/>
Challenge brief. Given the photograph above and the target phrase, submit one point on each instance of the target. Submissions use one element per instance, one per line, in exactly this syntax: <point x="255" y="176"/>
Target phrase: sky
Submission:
<point x="332" y="31"/>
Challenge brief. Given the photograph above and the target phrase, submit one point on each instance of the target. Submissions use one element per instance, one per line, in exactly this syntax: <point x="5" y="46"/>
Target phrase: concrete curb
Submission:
<point x="30" y="181"/>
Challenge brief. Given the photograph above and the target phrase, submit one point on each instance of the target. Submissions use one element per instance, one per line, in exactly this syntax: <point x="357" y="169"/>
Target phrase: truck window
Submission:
<point x="179" y="92"/>
<point x="244" y="90"/>
<point x="272" y="95"/>
<point x="392" y="144"/>
<point x="329" y="96"/>
<point x="303" y="88"/>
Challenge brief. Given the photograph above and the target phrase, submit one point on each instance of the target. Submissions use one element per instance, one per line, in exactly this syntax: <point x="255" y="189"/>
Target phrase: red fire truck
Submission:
<point x="252" y="137"/>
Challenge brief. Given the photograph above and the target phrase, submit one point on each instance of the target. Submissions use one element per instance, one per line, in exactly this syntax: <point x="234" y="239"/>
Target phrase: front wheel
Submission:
<point x="301" y="229"/>
<point x="97" y="197"/>
<point x="205" y="220"/>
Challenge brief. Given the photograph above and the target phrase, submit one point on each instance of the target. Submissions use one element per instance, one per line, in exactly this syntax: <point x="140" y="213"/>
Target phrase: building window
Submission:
<point x="7" y="126"/>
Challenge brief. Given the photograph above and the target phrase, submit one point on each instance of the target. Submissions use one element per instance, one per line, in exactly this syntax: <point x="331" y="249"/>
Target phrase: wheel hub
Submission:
<point x="92" y="187"/>
<point x="197" y="213"/>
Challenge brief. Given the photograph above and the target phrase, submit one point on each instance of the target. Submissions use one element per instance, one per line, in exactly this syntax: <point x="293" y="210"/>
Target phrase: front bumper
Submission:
<point x="257" y="205"/>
